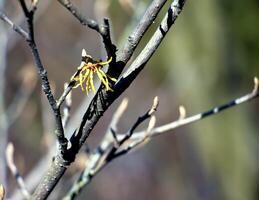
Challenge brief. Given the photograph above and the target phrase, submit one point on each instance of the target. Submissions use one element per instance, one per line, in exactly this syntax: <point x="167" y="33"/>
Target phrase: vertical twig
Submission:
<point x="15" y="172"/>
<point x="29" y="14"/>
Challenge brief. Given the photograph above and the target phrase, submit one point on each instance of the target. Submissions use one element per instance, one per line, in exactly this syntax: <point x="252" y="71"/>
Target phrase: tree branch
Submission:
<point x="100" y="103"/>
<point x="135" y="37"/>
<point x="41" y="70"/>
<point x="82" y="19"/>
<point x="29" y="14"/>
<point x="106" y="152"/>
<point x="103" y="29"/>
<point x="15" y="27"/>
<point x="185" y="121"/>
<point x="139" y="63"/>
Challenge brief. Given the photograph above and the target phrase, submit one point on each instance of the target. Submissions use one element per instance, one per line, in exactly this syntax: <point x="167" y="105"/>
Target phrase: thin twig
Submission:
<point x="141" y="138"/>
<point x="139" y="63"/>
<point x="60" y="164"/>
<point x="15" y="27"/>
<point x="83" y="20"/>
<point x="140" y="120"/>
<point x="144" y="140"/>
<point x="29" y="14"/>
<point x="103" y="29"/>
<point x="184" y="121"/>
<point x="98" y="154"/>
<point x="15" y="172"/>
<point x="129" y="134"/>
<point x="107" y="150"/>
<point x="136" y="36"/>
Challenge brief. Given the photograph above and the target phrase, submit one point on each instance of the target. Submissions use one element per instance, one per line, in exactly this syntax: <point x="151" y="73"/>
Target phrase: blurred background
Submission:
<point x="209" y="57"/>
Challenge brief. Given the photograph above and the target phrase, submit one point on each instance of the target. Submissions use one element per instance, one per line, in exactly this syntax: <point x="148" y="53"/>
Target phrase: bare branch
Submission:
<point x="140" y="120"/>
<point x="29" y="14"/>
<point x="15" y="172"/>
<point x="138" y="143"/>
<point x="184" y="121"/>
<point x="140" y="62"/>
<point x="107" y="150"/>
<point x="106" y="36"/>
<point x="103" y="30"/>
<point x="97" y="107"/>
<point x="83" y="20"/>
<point x="104" y="156"/>
<point x="60" y="165"/>
<point x="102" y="100"/>
<point x="135" y="37"/>
<point x="15" y="27"/>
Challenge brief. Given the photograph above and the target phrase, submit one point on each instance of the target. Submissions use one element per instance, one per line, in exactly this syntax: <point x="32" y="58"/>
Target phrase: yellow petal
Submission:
<point x="92" y="81"/>
<point x="105" y="62"/>
<point x="113" y="79"/>
<point x="101" y="77"/>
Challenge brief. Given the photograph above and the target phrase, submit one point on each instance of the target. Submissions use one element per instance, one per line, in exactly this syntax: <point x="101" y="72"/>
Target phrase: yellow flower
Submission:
<point x="84" y="76"/>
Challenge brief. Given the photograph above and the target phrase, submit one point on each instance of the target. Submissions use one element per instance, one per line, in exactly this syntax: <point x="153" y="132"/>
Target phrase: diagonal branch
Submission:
<point x="103" y="155"/>
<point x="107" y="149"/>
<point x="15" y="27"/>
<point x="99" y="104"/>
<point x="139" y="63"/>
<point x="103" y="29"/>
<point x="136" y="36"/>
<point x="82" y="19"/>
<point x="184" y="121"/>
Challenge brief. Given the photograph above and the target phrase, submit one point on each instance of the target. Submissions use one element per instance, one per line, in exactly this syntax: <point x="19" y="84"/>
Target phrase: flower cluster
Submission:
<point x="84" y="76"/>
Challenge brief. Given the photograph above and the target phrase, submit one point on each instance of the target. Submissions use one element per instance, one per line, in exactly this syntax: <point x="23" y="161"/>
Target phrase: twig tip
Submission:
<point x="182" y="112"/>
<point x="154" y="105"/>
<point x="9" y="156"/>
<point x="151" y="124"/>
<point x="9" y="150"/>
<point x="84" y="54"/>
<point x="34" y="2"/>
<point x="2" y="192"/>
<point x="256" y="85"/>
<point x="156" y="101"/>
